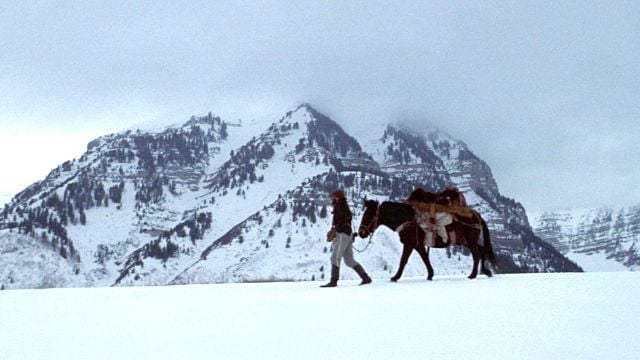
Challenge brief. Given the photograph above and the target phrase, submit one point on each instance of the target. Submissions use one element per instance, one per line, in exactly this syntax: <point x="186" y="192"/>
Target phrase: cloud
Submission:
<point x="28" y="157"/>
<point x="524" y="84"/>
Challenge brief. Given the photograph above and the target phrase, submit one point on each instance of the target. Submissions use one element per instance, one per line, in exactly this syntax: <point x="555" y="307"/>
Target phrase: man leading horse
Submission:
<point x="341" y="237"/>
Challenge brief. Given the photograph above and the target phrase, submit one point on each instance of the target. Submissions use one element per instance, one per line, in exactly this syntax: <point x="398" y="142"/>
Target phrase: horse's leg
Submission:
<point x="483" y="267"/>
<point x="406" y="251"/>
<point x="479" y="255"/>
<point x="475" y="253"/>
<point x="424" y="254"/>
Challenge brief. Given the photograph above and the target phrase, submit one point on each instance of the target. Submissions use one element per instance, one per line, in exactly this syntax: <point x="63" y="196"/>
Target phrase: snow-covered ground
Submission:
<point x="533" y="316"/>
<point x="597" y="261"/>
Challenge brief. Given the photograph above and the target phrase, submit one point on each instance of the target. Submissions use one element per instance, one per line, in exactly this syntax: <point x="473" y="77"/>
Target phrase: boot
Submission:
<point x="335" y="274"/>
<point x="363" y="275"/>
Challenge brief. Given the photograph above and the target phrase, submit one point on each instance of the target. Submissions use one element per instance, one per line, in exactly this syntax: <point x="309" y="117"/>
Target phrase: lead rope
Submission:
<point x="365" y="247"/>
<point x="353" y="235"/>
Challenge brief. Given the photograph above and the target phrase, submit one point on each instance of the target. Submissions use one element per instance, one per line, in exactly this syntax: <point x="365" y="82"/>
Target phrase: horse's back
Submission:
<point x="397" y="207"/>
<point x="396" y="212"/>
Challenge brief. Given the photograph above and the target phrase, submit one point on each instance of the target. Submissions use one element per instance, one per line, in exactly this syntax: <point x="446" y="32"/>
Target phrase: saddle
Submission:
<point x="435" y="211"/>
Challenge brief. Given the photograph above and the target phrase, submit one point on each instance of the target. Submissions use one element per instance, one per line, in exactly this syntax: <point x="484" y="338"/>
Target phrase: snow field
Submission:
<point x="529" y="316"/>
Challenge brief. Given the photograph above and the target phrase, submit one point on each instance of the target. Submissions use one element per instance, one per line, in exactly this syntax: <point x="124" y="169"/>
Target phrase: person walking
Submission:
<point x="340" y="235"/>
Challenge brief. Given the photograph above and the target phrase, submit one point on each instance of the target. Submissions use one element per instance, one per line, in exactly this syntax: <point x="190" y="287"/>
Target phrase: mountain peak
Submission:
<point x="302" y="108"/>
<point x="307" y="106"/>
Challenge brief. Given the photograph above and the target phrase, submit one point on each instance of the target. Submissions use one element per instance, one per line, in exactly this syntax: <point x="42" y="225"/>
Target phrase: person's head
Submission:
<point x="337" y="195"/>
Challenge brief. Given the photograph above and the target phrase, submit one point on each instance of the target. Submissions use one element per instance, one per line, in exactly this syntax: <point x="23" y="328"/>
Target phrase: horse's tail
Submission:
<point x="488" y="249"/>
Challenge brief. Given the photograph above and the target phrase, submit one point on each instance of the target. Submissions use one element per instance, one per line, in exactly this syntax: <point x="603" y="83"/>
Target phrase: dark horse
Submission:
<point x="403" y="215"/>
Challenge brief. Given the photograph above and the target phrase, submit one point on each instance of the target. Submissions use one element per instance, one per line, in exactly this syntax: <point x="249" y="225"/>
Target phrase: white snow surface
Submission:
<point x="525" y="316"/>
<point x="597" y="261"/>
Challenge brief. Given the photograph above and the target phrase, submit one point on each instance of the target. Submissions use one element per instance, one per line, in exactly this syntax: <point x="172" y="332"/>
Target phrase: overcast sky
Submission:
<point x="546" y="92"/>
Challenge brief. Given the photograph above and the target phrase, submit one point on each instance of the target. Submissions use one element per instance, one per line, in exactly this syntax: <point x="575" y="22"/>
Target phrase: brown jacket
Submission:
<point x="342" y="217"/>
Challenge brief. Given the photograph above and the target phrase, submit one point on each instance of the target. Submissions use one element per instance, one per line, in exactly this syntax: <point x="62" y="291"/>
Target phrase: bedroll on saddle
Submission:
<point x="433" y="219"/>
<point x="450" y="209"/>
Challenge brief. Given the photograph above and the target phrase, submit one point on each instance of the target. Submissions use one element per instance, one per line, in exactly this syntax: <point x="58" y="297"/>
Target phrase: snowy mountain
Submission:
<point x="220" y="200"/>
<point x="601" y="239"/>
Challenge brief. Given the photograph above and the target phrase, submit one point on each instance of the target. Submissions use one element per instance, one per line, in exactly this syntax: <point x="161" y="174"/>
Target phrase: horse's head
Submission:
<point x="369" y="221"/>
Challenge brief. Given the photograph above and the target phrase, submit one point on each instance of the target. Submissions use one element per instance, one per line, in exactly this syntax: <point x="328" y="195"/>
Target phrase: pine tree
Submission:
<point x="223" y="131"/>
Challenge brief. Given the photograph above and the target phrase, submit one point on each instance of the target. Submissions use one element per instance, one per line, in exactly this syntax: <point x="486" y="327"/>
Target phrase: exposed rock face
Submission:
<point x="612" y="236"/>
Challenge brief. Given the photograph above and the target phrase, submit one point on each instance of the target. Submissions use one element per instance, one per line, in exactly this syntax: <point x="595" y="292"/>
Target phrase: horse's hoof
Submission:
<point x="430" y="278"/>
<point x="394" y="279"/>
<point x="472" y="277"/>
<point x="487" y="273"/>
